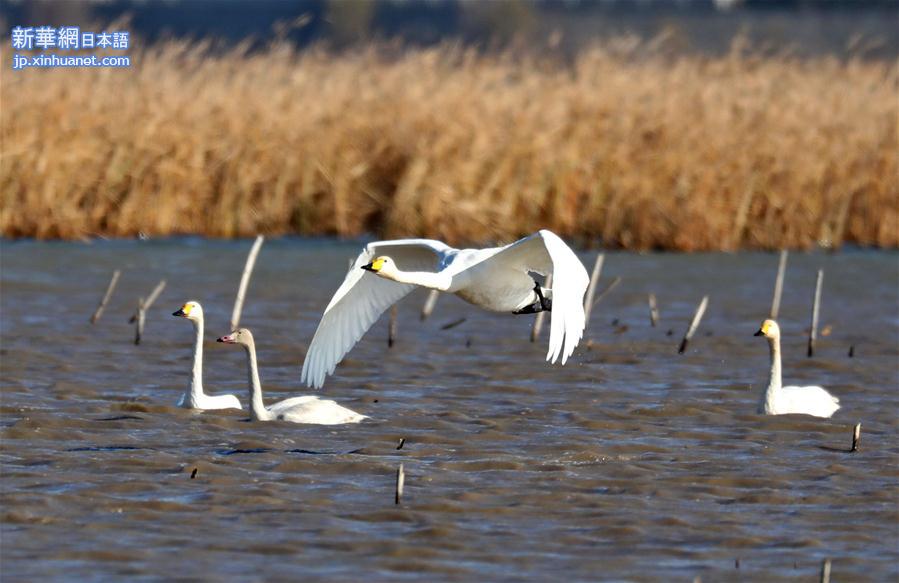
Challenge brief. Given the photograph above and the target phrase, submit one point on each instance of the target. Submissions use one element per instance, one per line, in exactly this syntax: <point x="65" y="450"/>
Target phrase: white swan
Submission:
<point x="496" y="279"/>
<point x="780" y="400"/>
<point x="195" y="398"/>
<point x="306" y="409"/>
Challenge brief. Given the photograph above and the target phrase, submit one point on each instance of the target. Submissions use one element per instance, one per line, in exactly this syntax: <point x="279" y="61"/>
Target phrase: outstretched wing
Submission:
<point x="544" y="252"/>
<point x="361" y="299"/>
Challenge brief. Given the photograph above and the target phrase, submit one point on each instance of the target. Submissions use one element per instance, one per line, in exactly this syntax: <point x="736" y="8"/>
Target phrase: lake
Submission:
<point x="631" y="462"/>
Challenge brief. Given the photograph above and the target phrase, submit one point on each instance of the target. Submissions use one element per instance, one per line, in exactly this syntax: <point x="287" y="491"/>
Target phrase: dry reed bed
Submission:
<point x="640" y="150"/>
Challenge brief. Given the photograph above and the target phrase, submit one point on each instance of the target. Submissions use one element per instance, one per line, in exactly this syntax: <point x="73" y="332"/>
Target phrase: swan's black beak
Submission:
<point x="759" y="333"/>
<point x="368" y="267"/>
<point x="180" y="314"/>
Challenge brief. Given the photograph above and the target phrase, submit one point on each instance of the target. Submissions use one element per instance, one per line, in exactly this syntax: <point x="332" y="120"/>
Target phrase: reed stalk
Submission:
<point x="245" y="281"/>
<point x="139" y="318"/>
<point x="694" y="324"/>
<point x="109" y="289"/>
<point x="816" y="310"/>
<point x="591" y="289"/>
<point x="429" y="304"/>
<point x="400" y="482"/>
<point x="778" y="284"/>
<point x="392" y="327"/>
<point x="612" y="285"/>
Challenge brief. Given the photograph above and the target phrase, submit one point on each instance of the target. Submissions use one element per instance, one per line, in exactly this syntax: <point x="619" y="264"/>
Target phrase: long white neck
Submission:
<point x="774" y="380"/>
<point x="258" y="412"/>
<point x="439" y="281"/>
<point x="196" y="379"/>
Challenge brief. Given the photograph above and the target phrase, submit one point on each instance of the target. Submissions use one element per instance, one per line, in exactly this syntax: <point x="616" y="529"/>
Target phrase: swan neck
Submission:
<point x="774" y="380"/>
<point x="439" y="281"/>
<point x="196" y="379"/>
<point x="258" y="412"/>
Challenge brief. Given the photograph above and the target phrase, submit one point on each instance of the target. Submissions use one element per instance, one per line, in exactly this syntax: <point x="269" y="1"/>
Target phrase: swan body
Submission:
<point x="780" y="400"/>
<point x="497" y="279"/>
<point x="195" y="398"/>
<point x="305" y="409"/>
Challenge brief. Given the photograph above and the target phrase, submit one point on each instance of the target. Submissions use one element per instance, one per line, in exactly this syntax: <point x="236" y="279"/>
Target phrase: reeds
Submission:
<point x="621" y="142"/>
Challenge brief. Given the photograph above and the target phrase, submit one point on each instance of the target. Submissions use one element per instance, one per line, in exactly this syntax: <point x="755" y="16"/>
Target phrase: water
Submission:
<point x="629" y="463"/>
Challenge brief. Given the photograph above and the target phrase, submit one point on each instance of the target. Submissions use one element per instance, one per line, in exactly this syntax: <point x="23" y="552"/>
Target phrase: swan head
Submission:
<point x="240" y="336"/>
<point x="190" y="310"/>
<point x="383" y="266"/>
<point x="769" y="329"/>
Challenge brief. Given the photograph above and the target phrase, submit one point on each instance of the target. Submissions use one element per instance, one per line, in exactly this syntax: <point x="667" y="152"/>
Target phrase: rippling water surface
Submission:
<point x="629" y="463"/>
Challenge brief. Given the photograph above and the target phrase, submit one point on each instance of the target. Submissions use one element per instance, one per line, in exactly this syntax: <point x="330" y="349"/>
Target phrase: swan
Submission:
<point x="195" y="398"/>
<point x="780" y="400"/>
<point x="495" y="279"/>
<point x="306" y="409"/>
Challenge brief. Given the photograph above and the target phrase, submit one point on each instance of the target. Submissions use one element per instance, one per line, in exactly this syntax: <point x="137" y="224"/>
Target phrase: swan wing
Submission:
<point x="319" y="412"/>
<point x="545" y="253"/>
<point x="361" y="299"/>
<point x="811" y="400"/>
<point x="290" y="403"/>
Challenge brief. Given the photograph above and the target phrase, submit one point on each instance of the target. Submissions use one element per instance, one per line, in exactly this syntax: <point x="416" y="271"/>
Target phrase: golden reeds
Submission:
<point x="623" y="144"/>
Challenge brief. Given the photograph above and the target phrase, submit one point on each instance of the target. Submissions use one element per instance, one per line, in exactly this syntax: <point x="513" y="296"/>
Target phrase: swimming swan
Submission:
<point x="307" y="409"/>
<point x="195" y="398"/>
<point x="495" y="279"/>
<point x="779" y="400"/>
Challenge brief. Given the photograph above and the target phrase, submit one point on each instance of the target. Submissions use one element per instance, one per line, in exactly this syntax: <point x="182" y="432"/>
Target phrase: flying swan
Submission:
<point x="495" y="279"/>
<point x="780" y="400"/>
<point x="306" y="409"/>
<point x="195" y="398"/>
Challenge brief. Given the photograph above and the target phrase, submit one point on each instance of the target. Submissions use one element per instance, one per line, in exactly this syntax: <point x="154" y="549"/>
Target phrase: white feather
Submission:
<point x="495" y="279"/>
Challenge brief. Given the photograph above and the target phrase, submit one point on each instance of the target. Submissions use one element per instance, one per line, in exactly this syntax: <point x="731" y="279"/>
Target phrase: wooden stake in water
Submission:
<point x="391" y="327"/>
<point x="106" y="296"/>
<point x="150" y="300"/>
<point x="653" y="310"/>
<point x="154" y="294"/>
<point x="591" y="289"/>
<point x="694" y="324"/>
<point x="429" y="304"/>
<point x="400" y="481"/>
<point x="140" y="314"/>
<point x="856" y="435"/>
<point x="245" y="281"/>
<point x="825" y="571"/>
<point x="816" y="307"/>
<point x="453" y="324"/>
<point x="608" y="290"/>
<point x="778" y="284"/>
<point x="139" y="317"/>
<point x="538" y="321"/>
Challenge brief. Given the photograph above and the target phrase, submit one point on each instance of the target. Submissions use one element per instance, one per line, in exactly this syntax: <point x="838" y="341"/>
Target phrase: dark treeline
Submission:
<point x="803" y="26"/>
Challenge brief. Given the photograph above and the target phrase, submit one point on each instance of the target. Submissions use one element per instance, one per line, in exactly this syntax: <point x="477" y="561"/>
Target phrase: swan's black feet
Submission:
<point x="543" y="304"/>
